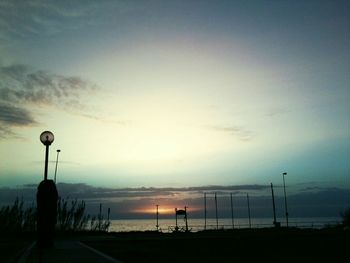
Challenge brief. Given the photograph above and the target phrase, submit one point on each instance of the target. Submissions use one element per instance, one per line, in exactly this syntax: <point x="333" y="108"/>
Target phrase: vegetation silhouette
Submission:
<point x="16" y="218"/>
<point x="71" y="218"/>
<point x="346" y="218"/>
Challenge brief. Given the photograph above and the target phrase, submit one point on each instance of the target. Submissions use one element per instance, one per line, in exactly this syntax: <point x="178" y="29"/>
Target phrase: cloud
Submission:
<point x="139" y="202"/>
<point x="26" y="18"/>
<point x="20" y="84"/>
<point x="6" y="132"/>
<point x="274" y="112"/>
<point x="22" y="88"/>
<point x="11" y="116"/>
<point x="14" y="116"/>
<point x="22" y="20"/>
<point x="241" y="133"/>
<point x="84" y="191"/>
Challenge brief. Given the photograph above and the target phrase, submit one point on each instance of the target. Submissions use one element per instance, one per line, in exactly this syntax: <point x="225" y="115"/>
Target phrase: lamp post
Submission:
<point x="157" y="215"/>
<point x="285" y="198"/>
<point x="216" y="212"/>
<point x="46" y="199"/>
<point x="250" y="222"/>
<point x="58" y="151"/>
<point x="46" y="138"/>
<point x="232" y="219"/>
<point x="205" y="211"/>
<point x="273" y="207"/>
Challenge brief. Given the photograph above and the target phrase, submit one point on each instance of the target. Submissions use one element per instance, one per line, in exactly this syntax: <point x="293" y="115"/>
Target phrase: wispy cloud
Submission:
<point x="274" y="112"/>
<point x="26" y="18"/>
<point x="6" y="132"/>
<point x="22" y="88"/>
<point x="238" y="131"/>
<point x="85" y="191"/>
<point x="15" y="116"/>
<point x="33" y="18"/>
<point x="20" y="84"/>
<point x="12" y="116"/>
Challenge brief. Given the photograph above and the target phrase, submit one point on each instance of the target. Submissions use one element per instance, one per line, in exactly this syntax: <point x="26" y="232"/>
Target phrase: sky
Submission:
<point x="176" y="93"/>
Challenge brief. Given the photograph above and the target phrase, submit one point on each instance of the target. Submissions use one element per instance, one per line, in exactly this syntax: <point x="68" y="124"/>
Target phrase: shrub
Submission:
<point x="17" y="219"/>
<point x="346" y="217"/>
<point x="73" y="218"/>
<point x="99" y="223"/>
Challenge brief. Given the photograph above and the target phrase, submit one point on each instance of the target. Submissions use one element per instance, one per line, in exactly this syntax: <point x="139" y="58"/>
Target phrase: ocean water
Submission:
<point x="168" y="225"/>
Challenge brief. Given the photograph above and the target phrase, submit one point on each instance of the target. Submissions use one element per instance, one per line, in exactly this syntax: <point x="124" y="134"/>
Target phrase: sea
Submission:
<point x="195" y="225"/>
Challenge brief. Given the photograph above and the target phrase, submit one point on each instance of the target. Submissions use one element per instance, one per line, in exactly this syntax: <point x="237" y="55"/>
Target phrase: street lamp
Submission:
<point x="46" y="199"/>
<point x="58" y="151"/>
<point x="46" y="138"/>
<point x="285" y="197"/>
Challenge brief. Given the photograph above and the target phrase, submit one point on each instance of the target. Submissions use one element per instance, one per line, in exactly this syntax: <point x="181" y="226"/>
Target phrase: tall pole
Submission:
<point x="250" y="223"/>
<point x="216" y="212"/>
<point x="176" y="228"/>
<point x="233" y="223"/>
<point x="157" y="214"/>
<point x="273" y="206"/>
<point x="285" y="198"/>
<point x="46" y="161"/>
<point x="100" y="218"/>
<point x="186" y="218"/>
<point x="205" y="211"/>
<point x="58" y="151"/>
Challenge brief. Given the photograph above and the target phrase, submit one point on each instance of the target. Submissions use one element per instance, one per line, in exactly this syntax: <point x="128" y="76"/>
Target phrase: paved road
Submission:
<point x="65" y="251"/>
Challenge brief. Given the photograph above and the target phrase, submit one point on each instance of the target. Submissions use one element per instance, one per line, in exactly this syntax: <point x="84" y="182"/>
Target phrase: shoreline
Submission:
<point x="199" y="224"/>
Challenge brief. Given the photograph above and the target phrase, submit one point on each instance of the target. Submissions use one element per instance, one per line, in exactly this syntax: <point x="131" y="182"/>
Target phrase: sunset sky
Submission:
<point x="176" y="93"/>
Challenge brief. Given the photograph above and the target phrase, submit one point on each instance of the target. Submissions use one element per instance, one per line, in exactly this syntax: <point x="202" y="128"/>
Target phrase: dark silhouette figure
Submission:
<point x="47" y="212"/>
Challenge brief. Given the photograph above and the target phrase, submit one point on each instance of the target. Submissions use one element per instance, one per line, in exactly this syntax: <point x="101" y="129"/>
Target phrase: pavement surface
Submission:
<point x="65" y="251"/>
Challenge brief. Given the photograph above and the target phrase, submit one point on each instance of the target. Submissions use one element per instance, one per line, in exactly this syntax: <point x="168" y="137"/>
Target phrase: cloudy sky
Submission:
<point x="176" y="93"/>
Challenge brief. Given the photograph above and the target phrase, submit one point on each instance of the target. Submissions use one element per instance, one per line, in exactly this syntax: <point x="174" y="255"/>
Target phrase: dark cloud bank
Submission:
<point x="127" y="202"/>
<point x="23" y="89"/>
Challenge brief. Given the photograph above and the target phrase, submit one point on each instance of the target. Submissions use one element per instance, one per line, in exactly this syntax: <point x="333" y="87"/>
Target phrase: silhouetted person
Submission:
<point x="47" y="212"/>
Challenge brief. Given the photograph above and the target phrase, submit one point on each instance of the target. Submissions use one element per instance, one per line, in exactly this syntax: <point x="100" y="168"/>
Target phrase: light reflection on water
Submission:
<point x="166" y="225"/>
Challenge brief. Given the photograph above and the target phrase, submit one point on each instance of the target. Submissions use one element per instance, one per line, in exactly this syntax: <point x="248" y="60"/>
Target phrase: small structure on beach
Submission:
<point x="179" y="212"/>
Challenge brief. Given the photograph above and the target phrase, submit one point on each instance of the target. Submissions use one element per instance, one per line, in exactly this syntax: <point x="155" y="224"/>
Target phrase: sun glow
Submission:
<point x="164" y="209"/>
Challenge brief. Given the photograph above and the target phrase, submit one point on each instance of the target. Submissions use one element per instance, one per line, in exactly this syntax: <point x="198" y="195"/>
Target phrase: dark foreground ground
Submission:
<point x="246" y="245"/>
<point x="266" y="245"/>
